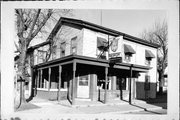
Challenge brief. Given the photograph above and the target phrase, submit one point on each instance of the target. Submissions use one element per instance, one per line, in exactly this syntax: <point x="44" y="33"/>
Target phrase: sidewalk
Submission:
<point x="86" y="107"/>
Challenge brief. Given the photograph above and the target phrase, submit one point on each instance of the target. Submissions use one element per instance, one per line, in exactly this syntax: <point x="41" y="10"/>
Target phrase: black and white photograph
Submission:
<point x="90" y="62"/>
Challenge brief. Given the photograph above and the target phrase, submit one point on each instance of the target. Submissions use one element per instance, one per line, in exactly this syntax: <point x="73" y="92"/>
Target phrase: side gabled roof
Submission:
<point x="94" y="27"/>
<point x="105" y="30"/>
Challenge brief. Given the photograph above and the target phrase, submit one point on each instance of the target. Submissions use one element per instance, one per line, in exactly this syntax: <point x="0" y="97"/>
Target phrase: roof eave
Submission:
<point x="141" y="41"/>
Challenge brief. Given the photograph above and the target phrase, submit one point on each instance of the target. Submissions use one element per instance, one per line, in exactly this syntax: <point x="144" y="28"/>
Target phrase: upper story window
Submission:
<point x="54" y="52"/>
<point x="41" y="56"/>
<point x="128" y="57"/>
<point x="149" y="55"/>
<point x="74" y="45"/>
<point x="128" y="51"/>
<point x="62" y="49"/>
<point x="102" y="46"/>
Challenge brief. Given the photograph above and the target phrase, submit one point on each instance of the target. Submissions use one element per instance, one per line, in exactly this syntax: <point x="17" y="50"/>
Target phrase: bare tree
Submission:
<point x="159" y="35"/>
<point x="31" y="23"/>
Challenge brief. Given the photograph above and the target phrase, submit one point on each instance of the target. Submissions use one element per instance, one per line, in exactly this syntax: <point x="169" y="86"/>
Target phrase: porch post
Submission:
<point x="130" y="84"/>
<point x="49" y="78"/>
<point x="59" y="87"/>
<point x="73" y="83"/>
<point x="105" y="95"/>
<point x="41" y="78"/>
<point x="36" y="80"/>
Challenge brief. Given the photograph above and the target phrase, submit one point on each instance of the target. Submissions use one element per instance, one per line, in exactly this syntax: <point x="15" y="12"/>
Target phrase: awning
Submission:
<point x="128" y="49"/>
<point x="149" y="54"/>
<point x="102" y="43"/>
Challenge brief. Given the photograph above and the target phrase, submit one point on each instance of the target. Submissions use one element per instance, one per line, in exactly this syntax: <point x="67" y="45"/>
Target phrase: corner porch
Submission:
<point x="78" y="77"/>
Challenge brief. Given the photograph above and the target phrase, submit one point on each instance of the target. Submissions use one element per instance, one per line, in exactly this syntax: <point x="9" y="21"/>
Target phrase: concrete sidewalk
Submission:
<point x="86" y="107"/>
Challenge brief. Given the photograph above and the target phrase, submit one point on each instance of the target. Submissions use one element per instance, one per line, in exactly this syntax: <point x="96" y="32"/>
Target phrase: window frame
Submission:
<point x="74" y="45"/>
<point x="148" y="61"/>
<point x="63" y="50"/>
<point x="54" y="52"/>
<point x="41" y="56"/>
<point x="127" y="57"/>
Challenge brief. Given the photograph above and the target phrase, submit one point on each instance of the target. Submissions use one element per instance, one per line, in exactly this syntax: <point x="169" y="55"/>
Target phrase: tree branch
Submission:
<point x="33" y="24"/>
<point x="42" y="24"/>
<point x="20" y="23"/>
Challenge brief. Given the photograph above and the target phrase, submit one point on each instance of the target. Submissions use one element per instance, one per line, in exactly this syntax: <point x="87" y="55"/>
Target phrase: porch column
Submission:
<point x="105" y="95"/>
<point x="41" y="78"/>
<point x="37" y="80"/>
<point x="130" y="84"/>
<point x="113" y="83"/>
<point x="134" y="88"/>
<point x="73" y="83"/>
<point x="49" y="78"/>
<point x="59" y="87"/>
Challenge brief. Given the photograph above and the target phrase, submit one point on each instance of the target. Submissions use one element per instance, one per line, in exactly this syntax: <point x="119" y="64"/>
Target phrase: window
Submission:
<point x="128" y="57"/>
<point x="148" y="61"/>
<point x="149" y="55"/>
<point x="41" y="56"/>
<point x="83" y="80"/>
<point x="101" y="54"/>
<point x="43" y="79"/>
<point x="102" y="46"/>
<point x="101" y="81"/>
<point x="74" y="45"/>
<point x="128" y="51"/>
<point x="121" y="84"/>
<point x="54" y="52"/>
<point x="63" y="48"/>
<point x="64" y="81"/>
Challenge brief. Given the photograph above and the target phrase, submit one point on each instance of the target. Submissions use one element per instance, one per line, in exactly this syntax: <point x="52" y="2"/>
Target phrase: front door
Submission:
<point x="83" y="86"/>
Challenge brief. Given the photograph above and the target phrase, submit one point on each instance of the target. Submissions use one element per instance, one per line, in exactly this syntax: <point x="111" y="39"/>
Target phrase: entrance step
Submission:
<point x="82" y="99"/>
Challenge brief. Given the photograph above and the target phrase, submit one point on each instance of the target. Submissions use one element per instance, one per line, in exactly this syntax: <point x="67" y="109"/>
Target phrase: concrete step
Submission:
<point x="82" y="99"/>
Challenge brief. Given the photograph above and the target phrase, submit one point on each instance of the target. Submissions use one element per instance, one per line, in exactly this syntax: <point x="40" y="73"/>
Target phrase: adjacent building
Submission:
<point x="91" y="62"/>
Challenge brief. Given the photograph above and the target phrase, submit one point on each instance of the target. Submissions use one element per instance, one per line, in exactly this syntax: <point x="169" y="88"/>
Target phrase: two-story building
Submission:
<point x="92" y="62"/>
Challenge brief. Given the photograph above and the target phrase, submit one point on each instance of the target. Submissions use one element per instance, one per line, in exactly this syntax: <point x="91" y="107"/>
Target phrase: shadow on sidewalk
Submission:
<point x="27" y="106"/>
<point x="143" y="108"/>
<point x="160" y="100"/>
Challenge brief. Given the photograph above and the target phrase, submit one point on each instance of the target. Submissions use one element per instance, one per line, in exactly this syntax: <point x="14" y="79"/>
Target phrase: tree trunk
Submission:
<point x="161" y="79"/>
<point x="22" y="73"/>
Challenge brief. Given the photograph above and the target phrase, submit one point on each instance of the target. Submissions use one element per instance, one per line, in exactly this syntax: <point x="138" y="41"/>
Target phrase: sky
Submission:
<point x="131" y="22"/>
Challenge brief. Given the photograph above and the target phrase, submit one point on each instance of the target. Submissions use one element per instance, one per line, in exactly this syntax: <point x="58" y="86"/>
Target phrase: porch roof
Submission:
<point x="90" y="61"/>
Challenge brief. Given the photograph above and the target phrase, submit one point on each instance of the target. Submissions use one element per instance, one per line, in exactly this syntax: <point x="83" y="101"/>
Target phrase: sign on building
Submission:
<point x="115" y="47"/>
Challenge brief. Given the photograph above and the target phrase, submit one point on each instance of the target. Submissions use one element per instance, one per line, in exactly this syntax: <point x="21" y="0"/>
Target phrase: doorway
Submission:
<point x="83" y="86"/>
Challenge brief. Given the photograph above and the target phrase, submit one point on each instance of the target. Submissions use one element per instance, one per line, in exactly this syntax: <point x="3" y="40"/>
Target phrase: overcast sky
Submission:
<point x="131" y="22"/>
